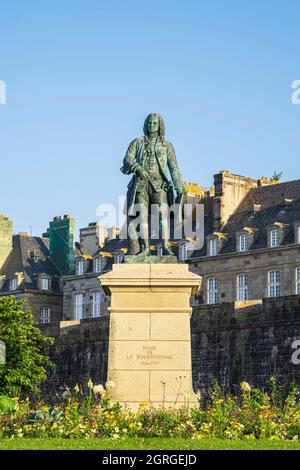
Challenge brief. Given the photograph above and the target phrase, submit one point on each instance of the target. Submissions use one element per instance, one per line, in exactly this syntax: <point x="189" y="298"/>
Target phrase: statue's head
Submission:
<point x="154" y="124"/>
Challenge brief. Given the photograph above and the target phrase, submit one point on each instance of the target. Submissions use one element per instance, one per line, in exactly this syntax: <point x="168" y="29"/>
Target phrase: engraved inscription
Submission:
<point x="149" y="356"/>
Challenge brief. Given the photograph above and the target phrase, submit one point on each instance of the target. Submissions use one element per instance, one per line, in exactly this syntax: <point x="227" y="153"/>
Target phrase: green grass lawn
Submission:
<point x="145" y="444"/>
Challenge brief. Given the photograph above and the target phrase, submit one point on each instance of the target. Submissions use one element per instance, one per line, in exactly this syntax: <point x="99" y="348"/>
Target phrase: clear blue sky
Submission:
<point x="82" y="76"/>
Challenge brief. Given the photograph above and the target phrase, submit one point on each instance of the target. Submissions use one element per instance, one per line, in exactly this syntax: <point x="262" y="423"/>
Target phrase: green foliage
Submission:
<point x="46" y="416"/>
<point x="25" y="362"/>
<point x="7" y="405"/>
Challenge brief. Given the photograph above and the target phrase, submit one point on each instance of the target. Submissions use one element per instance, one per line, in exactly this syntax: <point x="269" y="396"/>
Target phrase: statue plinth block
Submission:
<point x="150" y="340"/>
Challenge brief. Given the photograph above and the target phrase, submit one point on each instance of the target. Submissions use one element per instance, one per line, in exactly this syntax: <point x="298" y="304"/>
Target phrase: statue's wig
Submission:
<point x="161" y="130"/>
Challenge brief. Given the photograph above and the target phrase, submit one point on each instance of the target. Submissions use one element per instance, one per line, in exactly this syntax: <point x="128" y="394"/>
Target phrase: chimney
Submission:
<point x="6" y="238"/>
<point x="62" y="244"/>
<point x="230" y="190"/>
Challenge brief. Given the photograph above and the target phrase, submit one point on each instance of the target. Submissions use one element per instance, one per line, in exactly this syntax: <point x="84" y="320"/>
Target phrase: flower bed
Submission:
<point x="253" y="414"/>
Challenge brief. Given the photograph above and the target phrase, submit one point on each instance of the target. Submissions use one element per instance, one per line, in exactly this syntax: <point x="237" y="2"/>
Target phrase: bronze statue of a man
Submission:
<point x="151" y="159"/>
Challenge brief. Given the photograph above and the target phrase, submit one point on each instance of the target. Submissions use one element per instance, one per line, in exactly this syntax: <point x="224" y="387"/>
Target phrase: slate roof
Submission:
<point x="279" y="203"/>
<point x="112" y="246"/>
<point x="21" y="259"/>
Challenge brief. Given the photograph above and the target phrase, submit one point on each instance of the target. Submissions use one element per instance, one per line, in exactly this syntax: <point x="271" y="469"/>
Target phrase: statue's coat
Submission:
<point x="167" y="161"/>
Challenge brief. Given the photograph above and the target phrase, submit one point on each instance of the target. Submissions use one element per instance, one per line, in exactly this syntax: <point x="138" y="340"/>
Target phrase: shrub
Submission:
<point x="25" y="362"/>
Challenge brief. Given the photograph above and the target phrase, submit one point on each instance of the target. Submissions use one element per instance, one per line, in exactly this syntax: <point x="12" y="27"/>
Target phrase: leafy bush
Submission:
<point x="7" y="405"/>
<point x="25" y="362"/>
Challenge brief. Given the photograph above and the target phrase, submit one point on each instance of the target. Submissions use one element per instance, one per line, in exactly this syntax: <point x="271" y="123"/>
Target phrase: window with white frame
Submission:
<point x="242" y="287"/>
<point x="45" y="313"/>
<point x="119" y="258"/>
<point x="80" y="267"/>
<point x="212" y="291"/>
<point x="274" y="283"/>
<point x="96" y="304"/>
<point x="243" y="242"/>
<point x="274" y="238"/>
<point x="297" y="281"/>
<point x="183" y="252"/>
<point x="99" y="264"/>
<point x="13" y="284"/>
<point x="213" y="247"/>
<point x="78" y="306"/>
<point x="45" y="283"/>
<point x="298" y="234"/>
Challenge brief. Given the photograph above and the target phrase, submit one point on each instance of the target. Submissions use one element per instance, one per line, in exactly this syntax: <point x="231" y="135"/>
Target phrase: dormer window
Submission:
<point x="274" y="238"/>
<point x="213" y="247"/>
<point x="243" y="242"/>
<point x="13" y="284"/>
<point x="276" y="234"/>
<point x="99" y="265"/>
<point x="245" y="239"/>
<point x="215" y="243"/>
<point x="80" y="267"/>
<point x="119" y="258"/>
<point x="45" y="283"/>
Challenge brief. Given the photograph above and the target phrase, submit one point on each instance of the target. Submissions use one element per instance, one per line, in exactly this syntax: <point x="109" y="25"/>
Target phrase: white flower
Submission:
<point x="99" y="389"/>
<point x="245" y="387"/>
<point x="110" y="384"/>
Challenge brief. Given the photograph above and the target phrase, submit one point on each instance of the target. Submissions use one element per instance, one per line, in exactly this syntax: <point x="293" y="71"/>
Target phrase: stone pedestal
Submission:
<point x="150" y="340"/>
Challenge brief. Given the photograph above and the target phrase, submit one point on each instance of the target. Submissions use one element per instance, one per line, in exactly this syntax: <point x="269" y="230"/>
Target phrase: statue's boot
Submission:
<point x="167" y="250"/>
<point x="134" y="247"/>
<point x="146" y="250"/>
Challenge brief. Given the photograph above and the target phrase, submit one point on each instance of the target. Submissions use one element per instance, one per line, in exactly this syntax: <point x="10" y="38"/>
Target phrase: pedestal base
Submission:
<point x="150" y="341"/>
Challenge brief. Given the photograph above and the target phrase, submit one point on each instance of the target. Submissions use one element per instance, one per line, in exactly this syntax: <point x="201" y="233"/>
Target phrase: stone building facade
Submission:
<point x="83" y="297"/>
<point x="92" y="238"/>
<point x="27" y="272"/>
<point x="251" y="246"/>
<point x="253" y="251"/>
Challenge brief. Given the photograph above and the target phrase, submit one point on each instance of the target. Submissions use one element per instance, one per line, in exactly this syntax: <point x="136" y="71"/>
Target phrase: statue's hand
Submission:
<point x="168" y="186"/>
<point x="138" y="170"/>
<point x="180" y="190"/>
